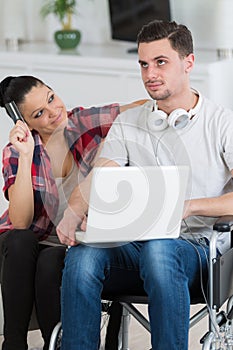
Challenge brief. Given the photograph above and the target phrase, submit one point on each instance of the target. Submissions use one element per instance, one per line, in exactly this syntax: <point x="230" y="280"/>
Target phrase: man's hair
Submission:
<point x="179" y="35"/>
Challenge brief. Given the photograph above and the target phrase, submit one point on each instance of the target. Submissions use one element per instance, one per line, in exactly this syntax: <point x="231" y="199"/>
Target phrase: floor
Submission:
<point x="139" y="338"/>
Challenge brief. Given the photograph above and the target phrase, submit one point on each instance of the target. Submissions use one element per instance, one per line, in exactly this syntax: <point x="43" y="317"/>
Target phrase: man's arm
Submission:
<point x="215" y="206"/>
<point x="78" y="204"/>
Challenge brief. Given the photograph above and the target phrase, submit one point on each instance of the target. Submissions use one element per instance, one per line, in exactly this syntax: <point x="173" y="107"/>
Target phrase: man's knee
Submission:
<point x="84" y="260"/>
<point x="158" y="259"/>
<point x="155" y="249"/>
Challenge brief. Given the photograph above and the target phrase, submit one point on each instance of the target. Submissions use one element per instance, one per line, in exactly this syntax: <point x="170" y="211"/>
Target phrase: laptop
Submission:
<point x="135" y="203"/>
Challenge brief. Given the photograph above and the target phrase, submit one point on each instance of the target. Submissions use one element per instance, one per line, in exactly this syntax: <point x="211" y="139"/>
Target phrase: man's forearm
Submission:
<point x="215" y="206"/>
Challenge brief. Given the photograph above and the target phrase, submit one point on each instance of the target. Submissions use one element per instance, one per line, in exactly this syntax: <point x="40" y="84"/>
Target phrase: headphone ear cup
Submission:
<point x="157" y="120"/>
<point x="179" y="118"/>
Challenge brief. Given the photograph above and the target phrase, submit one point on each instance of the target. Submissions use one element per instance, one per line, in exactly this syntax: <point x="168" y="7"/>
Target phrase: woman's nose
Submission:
<point x="52" y="112"/>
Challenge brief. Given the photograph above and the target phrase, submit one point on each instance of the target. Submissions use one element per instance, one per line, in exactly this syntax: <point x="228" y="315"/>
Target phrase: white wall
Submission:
<point x="6" y="125"/>
<point x="25" y="21"/>
<point x="210" y="20"/>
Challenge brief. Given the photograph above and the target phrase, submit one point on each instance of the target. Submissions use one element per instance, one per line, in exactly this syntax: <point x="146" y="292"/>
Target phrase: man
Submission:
<point x="172" y="271"/>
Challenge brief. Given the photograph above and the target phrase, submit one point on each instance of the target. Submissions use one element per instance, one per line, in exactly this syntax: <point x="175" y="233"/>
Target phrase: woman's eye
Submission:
<point x="51" y="98"/>
<point x="39" y="114"/>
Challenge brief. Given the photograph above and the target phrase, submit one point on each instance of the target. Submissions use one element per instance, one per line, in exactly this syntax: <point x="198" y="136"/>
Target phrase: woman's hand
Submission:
<point x="21" y="138"/>
<point x="132" y="105"/>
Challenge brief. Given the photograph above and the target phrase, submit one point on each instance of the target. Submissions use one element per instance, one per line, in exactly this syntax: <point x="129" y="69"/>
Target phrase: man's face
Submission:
<point x="163" y="71"/>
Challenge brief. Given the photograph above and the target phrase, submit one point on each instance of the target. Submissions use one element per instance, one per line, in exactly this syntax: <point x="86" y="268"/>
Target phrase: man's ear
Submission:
<point x="189" y="62"/>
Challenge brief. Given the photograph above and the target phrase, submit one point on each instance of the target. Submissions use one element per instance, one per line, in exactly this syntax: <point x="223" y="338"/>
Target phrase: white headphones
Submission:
<point x="178" y="119"/>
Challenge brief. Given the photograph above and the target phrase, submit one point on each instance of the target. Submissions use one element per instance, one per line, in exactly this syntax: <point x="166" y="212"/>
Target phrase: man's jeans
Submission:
<point x="170" y="269"/>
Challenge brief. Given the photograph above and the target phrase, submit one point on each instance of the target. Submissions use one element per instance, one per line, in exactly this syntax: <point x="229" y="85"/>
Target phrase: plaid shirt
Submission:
<point x="85" y="130"/>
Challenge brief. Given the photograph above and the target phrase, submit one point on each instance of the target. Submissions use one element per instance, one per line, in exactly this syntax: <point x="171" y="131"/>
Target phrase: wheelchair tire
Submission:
<point x="55" y="340"/>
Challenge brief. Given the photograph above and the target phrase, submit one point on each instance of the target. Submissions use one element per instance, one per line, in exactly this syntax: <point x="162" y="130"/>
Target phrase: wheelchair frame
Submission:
<point x="220" y="333"/>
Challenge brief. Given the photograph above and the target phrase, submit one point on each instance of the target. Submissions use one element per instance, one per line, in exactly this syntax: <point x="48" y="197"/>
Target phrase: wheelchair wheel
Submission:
<point x="55" y="341"/>
<point x="213" y="342"/>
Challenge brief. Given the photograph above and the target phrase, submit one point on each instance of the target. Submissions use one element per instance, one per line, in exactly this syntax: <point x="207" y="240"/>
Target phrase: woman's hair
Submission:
<point x="179" y="35"/>
<point x="16" y="88"/>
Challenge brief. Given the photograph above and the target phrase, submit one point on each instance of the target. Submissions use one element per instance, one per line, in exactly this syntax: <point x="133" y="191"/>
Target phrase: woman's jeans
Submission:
<point x="169" y="269"/>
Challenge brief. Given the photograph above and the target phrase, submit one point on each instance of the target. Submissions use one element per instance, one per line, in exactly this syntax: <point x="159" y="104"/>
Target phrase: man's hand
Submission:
<point x="67" y="227"/>
<point x="187" y="209"/>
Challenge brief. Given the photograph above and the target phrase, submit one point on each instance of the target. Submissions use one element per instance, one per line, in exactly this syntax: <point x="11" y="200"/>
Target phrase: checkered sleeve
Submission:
<point x="92" y="125"/>
<point x="9" y="167"/>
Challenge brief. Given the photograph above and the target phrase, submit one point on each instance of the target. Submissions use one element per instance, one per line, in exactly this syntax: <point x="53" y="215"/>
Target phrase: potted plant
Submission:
<point x="66" y="37"/>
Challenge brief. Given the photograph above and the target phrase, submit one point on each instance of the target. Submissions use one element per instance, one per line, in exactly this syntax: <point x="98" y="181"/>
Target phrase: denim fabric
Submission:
<point x="169" y="268"/>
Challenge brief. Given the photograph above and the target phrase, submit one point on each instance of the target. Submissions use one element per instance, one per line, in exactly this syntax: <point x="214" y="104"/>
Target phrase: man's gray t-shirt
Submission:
<point x="205" y="145"/>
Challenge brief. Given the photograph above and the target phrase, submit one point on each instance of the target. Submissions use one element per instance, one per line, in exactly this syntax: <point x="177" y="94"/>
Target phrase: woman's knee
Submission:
<point x="50" y="263"/>
<point x="19" y="254"/>
<point x="20" y="242"/>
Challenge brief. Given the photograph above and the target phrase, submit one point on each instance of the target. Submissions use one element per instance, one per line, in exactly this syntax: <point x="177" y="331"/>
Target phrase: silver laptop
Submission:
<point x="135" y="203"/>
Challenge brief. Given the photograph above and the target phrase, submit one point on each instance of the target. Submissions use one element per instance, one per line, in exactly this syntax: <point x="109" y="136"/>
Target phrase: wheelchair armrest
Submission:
<point x="224" y="224"/>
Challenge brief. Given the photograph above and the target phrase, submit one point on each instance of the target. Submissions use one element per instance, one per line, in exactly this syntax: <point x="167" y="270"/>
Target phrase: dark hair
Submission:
<point x="16" y="88"/>
<point x="179" y="35"/>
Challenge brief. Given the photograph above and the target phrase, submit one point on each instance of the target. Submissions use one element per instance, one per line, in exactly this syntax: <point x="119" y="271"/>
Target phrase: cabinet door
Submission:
<point x="86" y="88"/>
<point x="9" y="70"/>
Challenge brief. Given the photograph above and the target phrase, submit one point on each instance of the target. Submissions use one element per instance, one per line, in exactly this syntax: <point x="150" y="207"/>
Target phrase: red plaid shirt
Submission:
<point x="85" y="130"/>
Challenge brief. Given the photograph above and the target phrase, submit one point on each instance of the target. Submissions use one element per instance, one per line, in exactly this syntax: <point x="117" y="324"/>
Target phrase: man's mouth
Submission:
<point x="153" y="85"/>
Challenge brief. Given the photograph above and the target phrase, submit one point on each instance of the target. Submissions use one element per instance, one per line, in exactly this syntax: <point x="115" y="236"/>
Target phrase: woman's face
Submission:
<point x="44" y="111"/>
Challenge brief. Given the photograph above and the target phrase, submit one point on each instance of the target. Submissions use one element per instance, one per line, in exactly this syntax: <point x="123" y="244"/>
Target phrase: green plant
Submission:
<point x="62" y="9"/>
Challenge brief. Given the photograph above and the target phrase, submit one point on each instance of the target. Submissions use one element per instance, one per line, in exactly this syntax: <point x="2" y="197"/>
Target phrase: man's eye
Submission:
<point x="161" y="62"/>
<point x="144" y="65"/>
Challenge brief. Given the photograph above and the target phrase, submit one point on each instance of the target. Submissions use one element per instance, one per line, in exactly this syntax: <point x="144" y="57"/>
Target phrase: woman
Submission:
<point x="49" y="153"/>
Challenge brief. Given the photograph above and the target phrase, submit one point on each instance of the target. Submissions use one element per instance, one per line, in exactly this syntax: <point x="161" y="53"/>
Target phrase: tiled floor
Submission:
<point x="139" y="338"/>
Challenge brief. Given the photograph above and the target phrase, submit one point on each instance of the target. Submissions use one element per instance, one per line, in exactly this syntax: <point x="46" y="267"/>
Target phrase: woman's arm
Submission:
<point x="132" y="105"/>
<point x="21" y="203"/>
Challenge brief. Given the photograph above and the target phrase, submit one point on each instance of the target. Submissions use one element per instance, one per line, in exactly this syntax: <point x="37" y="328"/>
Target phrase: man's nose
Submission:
<point x="152" y="73"/>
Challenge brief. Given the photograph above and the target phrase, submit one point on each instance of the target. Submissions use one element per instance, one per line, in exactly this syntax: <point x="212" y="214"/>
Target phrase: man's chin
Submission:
<point x="156" y="95"/>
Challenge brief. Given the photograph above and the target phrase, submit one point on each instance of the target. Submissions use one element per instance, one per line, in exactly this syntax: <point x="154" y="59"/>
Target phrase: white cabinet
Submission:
<point x="92" y="77"/>
<point x="107" y="73"/>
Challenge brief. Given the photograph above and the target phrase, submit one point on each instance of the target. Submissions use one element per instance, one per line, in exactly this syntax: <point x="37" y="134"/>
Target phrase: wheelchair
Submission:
<point x="219" y="335"/>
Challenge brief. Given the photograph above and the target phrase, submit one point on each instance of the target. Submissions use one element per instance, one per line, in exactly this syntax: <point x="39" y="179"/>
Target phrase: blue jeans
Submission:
<point x="169" y="270"/>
